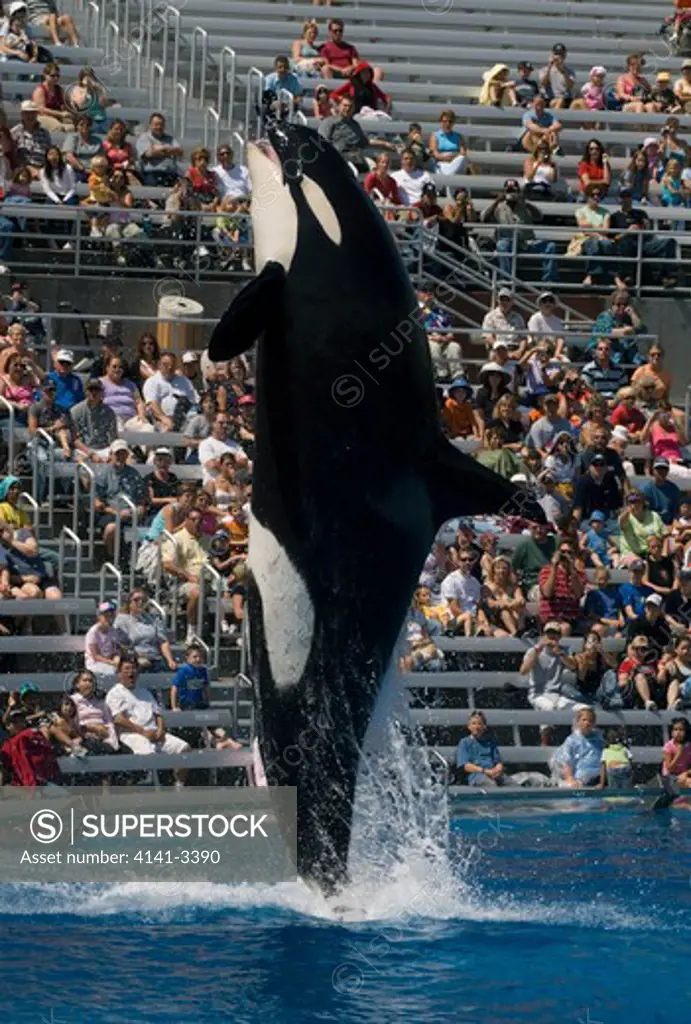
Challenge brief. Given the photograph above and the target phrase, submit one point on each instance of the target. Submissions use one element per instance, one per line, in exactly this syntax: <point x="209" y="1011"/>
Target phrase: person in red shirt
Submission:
<point x="380" y="186"/>
<point x="594" y="171"/>
<point x="202" y="179"/>
<point x="27" y="757"/>
<point x="341" y="58"/>
<point x="427" y="204"/>
<point x="625" y="414"/>
<point x="561" y="588"/>
<point x="367" y="96"/>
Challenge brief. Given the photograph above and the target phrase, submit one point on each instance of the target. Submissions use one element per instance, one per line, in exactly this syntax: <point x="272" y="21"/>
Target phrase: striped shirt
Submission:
<point x="606" y="380"/>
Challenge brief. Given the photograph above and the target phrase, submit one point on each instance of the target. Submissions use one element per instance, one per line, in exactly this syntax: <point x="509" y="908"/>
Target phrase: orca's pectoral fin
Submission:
<point x="458" y="485"/>
<point x="248" y="314"/>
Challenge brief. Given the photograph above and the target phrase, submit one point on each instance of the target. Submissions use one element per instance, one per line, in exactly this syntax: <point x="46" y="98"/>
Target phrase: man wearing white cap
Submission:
<point x="546" y="322"/>
<point x="116" y="480"/>
<point x="31" y="139"/>
<point x="167" y="393"/>
<point x="504" y="323"/>
<point x="69" y="388"/>
<point x="191" y="370"/>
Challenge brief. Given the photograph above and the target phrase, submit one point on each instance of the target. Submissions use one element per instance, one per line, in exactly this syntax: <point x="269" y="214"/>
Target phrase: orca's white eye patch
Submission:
<point x="322" y="209"/>
<point x="274" y="214"/>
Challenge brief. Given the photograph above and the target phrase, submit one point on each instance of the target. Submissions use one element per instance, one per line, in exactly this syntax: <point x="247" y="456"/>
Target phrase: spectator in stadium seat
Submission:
<point x="139" y="718"/>
<point x="59" y="186"/>
<point x="461" y="591"/>
<point x="562" y="586"/>
<point x="661" y="573"/>
<point x="458" y="415"/>
<point x="70" y="390"/>
<point x="305" y="56"/>
<point x="508" y="209"/>
<point x="504" y="601"/>
<point x="99" y="735"/>
<point x="283" y="78"/>
<point x="120" y="153"/>
<point x="103" y="644"/>
<point x="598" y="489"/>
<point x="189" y="690"/>
<point x="231" y="179"/>
<point x="540" y="173"/>
<point x="321" y="104"/>
<point x="46" y="415"/>
<point x="183" y="559"/>
<point x="666" y="433"/>
<point x="60" y="27"/>
<point x="16" y="38"/>
<point x="637" y="523"/>
<point x="346" y="135"/>
<point x="532" y="553"/>
<point x="663" y="94"/>
<point x="158" y="153"/>
<point x="495" y="381"/>
<point x="539" y="125"/>
<point x="577" y="762"/>
<point x="594" y="169"/>
<point x="168" y="394"/>
<point x="545" y="429"/>
<point x="118" y="479"/>
<point x="593" y="218"/>
<point x="27" y="757"/>
<point x="123" y="397"/>
<point x="602" y="374"/>
<point x="654" y="369"/>
<point x="340" y="58"/>
<point x="88" y="96"/>
<point x="495" y="455"/>
<point x="549" y="669"/>
<point x="30" y="139"/>
<point x="145" y="633"/>
<point x="49" y="99"/>
<point x="661" y="494"/>
<point x="557" y="80"/>
<point x="200" y="426"/>
<point x="29" y="574"/>
<point x="682" y="87"/>
<point x="620" y="323"/>
<point x="148" y="357"/>
<point x="506" y="418"/>
<point x="81" y="147"/>
<point x="504" y="323"/>
<point x="410" y="179"/>
<point x="603" y="607"/>
<point x="212" y="448"/>
<point x="380" y="185"/>
<point x="635" y="591"/>
<point x="95" y="425"/>
<point x="497" y="88"/>
<point x="640" y="680"/>
<point x="430" y="210"/>
<point x="446" y="352"/>
<point x="478" y="754"/>
<point x="638" y="177"/>
<point x="448" y="147"/>
<point x="592" y="94"/>
<point x="626" y="414"/>
<point x="415" y="143"/>
<point x="561" y="462"/>
<point x="633" y="90"/>
<point x="526" y="87"/>
<point x="368" y="98"/>
<point x="18" y="387"/>
<point x="545" y="321"/>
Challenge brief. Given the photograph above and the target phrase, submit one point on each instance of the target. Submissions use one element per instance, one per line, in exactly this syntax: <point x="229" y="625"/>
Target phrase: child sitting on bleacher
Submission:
<point x="189" y="690"/>
<point x="17" y="44"/>
<point x="616" y="771"/>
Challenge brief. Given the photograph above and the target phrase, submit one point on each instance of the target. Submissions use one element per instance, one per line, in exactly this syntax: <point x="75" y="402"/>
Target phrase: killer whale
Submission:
<point x="352" y="476"/>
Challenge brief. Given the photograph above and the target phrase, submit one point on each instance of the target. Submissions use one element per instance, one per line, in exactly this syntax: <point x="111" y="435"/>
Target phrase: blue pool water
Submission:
<point x="559" y="917"/>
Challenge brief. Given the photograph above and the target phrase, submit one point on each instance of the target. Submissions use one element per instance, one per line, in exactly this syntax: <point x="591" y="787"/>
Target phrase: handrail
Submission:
<point x="181" y="113"/>
<point x="33" y="505"/>
<point x="201" y="608"/>
<point x="238" y="139"/>
<point x="210" y="112"/>
<point x="156" y="68"/>
<point x="68" y="536"/>
<point x="91" y="530"/>
<point x="111" y="61"/>
<point x="445" y="765"/>
<point x="137" y="47"/>
<point x="166" y="535"/>
<point x="242" y="677"/>
<point x="222" y="81"/>
<point x="108" y="569"/>
<point x="174" y="13"/>
<point x="199" y="31"/>
<point x="93" y="17"/>
<point x="51" y="473"/>
<point x="253" y="75"/>
<point x="10" y="443"/>
<point x="162" y="614"/>
<point x="128" y="503"/>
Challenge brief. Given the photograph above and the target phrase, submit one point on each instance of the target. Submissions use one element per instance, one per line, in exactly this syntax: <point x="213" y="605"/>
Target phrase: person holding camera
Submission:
<point x="550" y="670"/>
<point x="640" y="679"/>
<point x="508" y="209"/>
<point x="561" y="588"/>
<point x="557" y="80"/>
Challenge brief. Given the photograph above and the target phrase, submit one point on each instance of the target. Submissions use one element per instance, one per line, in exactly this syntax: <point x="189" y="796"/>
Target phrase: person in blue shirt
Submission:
<point x="283" y="78"/>
<point x="634" y="593"/>
<point x="69" y="389"/>
<point x="596" y="540"/>
<point x="662" y="495"/>
<point x="190" y="687"/>
<point x="478" y="754"/>
<point x="577" y="762"/>
<point x="603" y="605"/>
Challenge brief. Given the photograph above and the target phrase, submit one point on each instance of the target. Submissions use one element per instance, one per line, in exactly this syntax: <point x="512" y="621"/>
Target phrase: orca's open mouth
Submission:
<point x="264" y="146"/>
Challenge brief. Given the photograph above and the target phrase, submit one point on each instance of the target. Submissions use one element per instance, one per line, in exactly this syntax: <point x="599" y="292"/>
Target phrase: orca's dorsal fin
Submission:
<point x="248" y="314"/>
<point x="459" y="485"/>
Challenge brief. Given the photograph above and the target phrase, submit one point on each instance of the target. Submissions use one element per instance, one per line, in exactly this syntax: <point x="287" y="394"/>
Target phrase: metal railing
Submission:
<point x="156" y="70"/>
<point x="226" y="69"/>
<point x="198" y="33"/>
<point x="108" y="569"/>
<point x="215" y="576"/>
<point x="211" y="114"/>
<point x="166" y="537"/>
<point x="68" y="536"/>
<point x="29" y="500"/>
<point x="4" y="404"/>
<point x="253" y="103"/>
<point x="123" y="499"/>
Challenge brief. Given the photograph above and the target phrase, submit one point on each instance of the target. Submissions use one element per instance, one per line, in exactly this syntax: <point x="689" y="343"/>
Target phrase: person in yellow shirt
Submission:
<point x="654" y="368"/>
<point x="184" y="558"/>
<point x="458" y="415"/>
<point x="9" y="504"/>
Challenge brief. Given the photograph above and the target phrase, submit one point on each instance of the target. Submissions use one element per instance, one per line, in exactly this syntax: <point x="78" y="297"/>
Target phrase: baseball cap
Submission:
<point x="525" y="64"/>
<point x="559" y="48"/>
<point x="65" y="355"/>
<point x="598" y="69"/>
<point x="512" y="185"/>
<point x="651" y="140"/>
<point x="429" y="189"/>
<point x="663" y="76"/>
<point x="190" y="357"/>
<point x="625" y="192"/>
<point x="598" y="517"/>
<point x="505" y="293"/>
<point x="28" y="688"/>
<point x="655" y="599"/>
<point x="94" y="384"/>
<point x="28" y="104"/>
<point x="621" y="433"/>
<point x="547" y="296"/>
<point x="552" y="627"/>
<point x="164" y="451"/>
<point x="499" y="344"/>
<point x="598" y="460"/>
<point x="661" y="463"/>
<point x="107" y="606"/>
<point x="119" y="446"/>
<point x="686" y="64"/>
